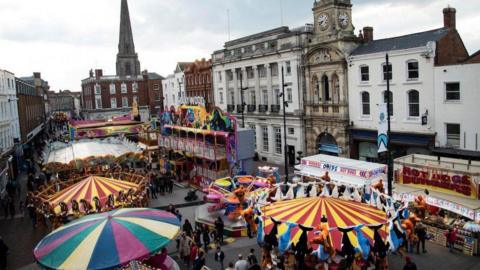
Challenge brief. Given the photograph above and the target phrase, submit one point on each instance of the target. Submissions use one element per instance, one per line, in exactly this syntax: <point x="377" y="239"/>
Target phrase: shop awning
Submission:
<point x="469" y="208"/>
<point x="336" y="177"/>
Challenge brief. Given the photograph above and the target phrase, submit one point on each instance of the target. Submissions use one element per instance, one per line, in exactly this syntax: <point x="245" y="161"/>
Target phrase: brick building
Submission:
<point x="31" y="110"/>
<point x="104" y="96"/>
<point x="198" y="81"/>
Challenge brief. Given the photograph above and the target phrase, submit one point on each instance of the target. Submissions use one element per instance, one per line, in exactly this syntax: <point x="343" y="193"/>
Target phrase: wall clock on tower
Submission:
<point x="343" y="19"/>
<point x="323" y="21"/>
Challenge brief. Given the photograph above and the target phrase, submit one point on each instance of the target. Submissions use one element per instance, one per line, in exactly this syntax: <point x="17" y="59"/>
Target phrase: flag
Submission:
<point x="382" y="138"/>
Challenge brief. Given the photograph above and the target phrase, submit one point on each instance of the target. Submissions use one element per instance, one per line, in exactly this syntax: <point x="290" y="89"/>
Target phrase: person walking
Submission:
<point x="206" y="237"/>
<point x="252" y="259"/>
<point x="219" y="226"/>
<point x="3" y="254"/>
<point x="200" y="261"/>
<point x="421" y="233"/>
<point x="241" y="263"/>
<point x="153" y="189"/>
<point x="219" y="257"/>
<point x="187" y="227"/>
<point x="409" y="265"/>
<point x="451" y="235"/>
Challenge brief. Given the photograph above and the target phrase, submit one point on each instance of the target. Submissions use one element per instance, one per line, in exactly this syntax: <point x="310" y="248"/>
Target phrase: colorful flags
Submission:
<point x="382" y="139"/>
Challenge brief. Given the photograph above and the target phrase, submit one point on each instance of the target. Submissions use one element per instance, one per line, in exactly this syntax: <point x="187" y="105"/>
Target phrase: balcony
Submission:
<point x="338" y="110"/>
<point x="240" y="108"/>
<point x="251" y="108"/>
<point x="230" y="108"/>
<point x="275" y="108"/>
<point x="262" y="108"/>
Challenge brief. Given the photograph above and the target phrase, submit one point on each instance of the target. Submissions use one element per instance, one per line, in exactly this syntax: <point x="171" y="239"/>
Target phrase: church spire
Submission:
<point x="127" y="58"/>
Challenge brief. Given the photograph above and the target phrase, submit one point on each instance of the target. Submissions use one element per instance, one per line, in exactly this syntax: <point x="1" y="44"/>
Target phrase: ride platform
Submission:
<point x="235" y="228"/>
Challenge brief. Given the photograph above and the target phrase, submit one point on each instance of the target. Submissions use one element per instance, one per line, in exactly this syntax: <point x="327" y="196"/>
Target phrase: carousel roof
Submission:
<point x="90" y="187"/>
<point x="83" y="149"/>
<point x="339" y="213"/>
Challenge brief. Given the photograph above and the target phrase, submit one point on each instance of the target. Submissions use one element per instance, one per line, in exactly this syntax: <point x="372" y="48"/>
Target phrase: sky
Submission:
<point x="64" y="39"/>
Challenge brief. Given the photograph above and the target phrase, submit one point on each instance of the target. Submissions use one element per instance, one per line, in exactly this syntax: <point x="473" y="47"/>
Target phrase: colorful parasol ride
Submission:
<point x="339" y="213"/>
<point x="107" y="240"/>
<point x="90" y="188"/>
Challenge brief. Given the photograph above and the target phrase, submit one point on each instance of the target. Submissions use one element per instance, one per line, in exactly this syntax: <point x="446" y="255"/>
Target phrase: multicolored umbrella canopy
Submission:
<point x="107" y="240"/>
<point x="90" y="187"/>
<point x="339" y="213"/>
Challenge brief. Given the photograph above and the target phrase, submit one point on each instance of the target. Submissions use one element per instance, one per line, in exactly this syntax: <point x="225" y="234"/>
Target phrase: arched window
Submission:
<point x="365" y="103"/>
<point x="413" y="103"/>
<point x="391" y="101"/>
<point x="316" y="90"/>
<point x="325" y="88"/>
<point x="335" y="89"/>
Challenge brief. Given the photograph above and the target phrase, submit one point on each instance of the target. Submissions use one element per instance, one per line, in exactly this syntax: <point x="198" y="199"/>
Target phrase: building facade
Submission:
<point x="326" y="76"/>
<point x="174" y="92"/>
<point x="198" y="82"/>
<point x="417" y="103"/>
<point x="9" y="123"/>
<point x="249" y="69"/>
<point x="105" y="96"/>
<point x="31" y="110"/>
<point x="62" y="101"/>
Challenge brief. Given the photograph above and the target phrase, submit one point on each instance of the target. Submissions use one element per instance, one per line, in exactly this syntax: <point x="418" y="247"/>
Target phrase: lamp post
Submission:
<point x="389" y="148"/>
<point x="285" y="105"/>
<point x="241" y="98"/>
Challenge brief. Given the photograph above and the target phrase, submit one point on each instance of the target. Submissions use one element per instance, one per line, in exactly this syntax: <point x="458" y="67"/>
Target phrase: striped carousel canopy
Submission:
<point x="89" y="188"/>
<point x="107" y="240"/>
<point x="339" y="213"/>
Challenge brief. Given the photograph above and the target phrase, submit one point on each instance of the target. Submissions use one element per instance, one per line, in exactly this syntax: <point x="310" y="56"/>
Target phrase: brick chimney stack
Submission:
<point x="98" y="73"/>
<point x="37" y="75"/>
<point x="367" y="34"/>
<point x="449" y="17"/>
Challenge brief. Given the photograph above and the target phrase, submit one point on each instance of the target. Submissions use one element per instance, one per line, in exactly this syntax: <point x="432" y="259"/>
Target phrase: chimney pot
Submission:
<point x="367" y="34"/>
<point x="449" y="20"/>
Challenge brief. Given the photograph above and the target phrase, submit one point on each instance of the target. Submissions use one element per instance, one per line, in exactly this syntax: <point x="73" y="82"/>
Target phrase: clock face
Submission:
<point x="343" y="19"/>
<point x="323" y="21"/>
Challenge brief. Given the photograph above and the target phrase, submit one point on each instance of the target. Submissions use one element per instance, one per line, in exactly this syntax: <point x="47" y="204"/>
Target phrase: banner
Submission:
<point x="382" y="138"/>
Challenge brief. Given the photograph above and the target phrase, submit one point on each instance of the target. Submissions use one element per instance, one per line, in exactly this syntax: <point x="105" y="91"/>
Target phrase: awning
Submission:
<point x="457" y="153"/>
<point x="336" y="177"/>
<point x="469" y="208"/>
<point x="413" y="139"/>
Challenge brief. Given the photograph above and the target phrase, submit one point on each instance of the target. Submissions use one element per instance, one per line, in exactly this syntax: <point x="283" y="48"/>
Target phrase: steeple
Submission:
<point x="127" y="58"/>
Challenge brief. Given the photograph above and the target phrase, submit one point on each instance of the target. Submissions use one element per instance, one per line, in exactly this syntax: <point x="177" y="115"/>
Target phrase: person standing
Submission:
<point x="409" y="265"/>
<point x="206" y="237"/>
<point x="219" y="257"/>
<point x="3" y="254"/>
<point x="230" y="266"/>
<point x="241" y="263"/>
<point x="187" y="227"/>
<point x="451" y="235"/>
<point x="219" y="226"/>
<point x="252" y="259"/>
<point x="421" y="233"/>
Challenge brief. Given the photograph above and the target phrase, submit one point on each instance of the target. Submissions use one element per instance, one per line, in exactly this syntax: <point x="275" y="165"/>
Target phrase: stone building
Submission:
<point x="325" y="68"/>
<point x="174" y="86"/>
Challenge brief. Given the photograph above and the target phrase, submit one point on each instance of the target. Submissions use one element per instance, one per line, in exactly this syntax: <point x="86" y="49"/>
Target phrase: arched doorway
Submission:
<point x="326" y="144"/>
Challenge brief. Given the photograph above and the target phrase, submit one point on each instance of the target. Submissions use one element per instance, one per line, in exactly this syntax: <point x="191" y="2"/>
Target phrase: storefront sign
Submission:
<point x="344" y="170"/>
<point x="458" y="184"/>
<point x="451" y="206"/>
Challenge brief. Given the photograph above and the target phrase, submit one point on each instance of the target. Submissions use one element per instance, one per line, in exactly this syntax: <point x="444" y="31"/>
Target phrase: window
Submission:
<point x="113" y="103"/>
<point x="412" y="70"/>
<point x="253" y="100"/>
<point x="278" y="140"/>
<point x="326" y="88"/>
<point x="112" y="89"/>
<point x="413" y="103"/>
<point x="252" y="126"/>
<point x="289" y="68"/>
<point x="291" y="131"/>
<point x="265" y="97"/>
<point x="452" y="91"/>
<point x="135" y="87"/>
<point x="98" y="90"/>
<point x="124" y="101"/>
<point x="123" y="87"/>
<point x="156" y="87"/>
<point x="232" y="97"/>
<point x="391" y="101"/>
<point x="135" y="99"/>
<point x="98" y="103"/>
<point x="364" y="74"/>
<point x="387" y="71"/>
<point x="262" y="71"/>
<point x="365" y="103"/>
<point x="453" y="135"/>
<point x="229" y="76"/>
<point x="277" y="96"/>
<point x="220" y="96"/>
<point x="250" y="73"/>
<point x="220" y="76"/>
<point x="265" y="138"/>
<point x="274" y="69"/>
<point x="289" y="95"/>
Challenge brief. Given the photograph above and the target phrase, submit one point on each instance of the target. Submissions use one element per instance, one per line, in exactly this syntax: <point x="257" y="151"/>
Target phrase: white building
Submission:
<point x="457" y="106"/>
<point x="174" y="86"/>
<point x="415" y="111"/>
<point x="258" y="60"/>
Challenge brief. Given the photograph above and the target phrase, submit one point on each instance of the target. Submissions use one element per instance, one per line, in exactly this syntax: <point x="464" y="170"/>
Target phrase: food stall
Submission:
<point x="342" y="171"/>
<point x="450" y="188"/>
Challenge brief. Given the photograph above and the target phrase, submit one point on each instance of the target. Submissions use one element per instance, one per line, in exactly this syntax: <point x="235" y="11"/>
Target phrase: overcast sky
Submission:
<point x="63" y="39"/>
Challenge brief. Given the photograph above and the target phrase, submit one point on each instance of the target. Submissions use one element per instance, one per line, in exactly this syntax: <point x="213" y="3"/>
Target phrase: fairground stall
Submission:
<point x="81" y="129"/>
<point x="200" y="147"/>
<point x="445" y="193"/>
<point x="148" y="142"/>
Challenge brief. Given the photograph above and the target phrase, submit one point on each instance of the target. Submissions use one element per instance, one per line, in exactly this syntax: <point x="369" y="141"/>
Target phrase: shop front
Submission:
<point x="451" y="191"/>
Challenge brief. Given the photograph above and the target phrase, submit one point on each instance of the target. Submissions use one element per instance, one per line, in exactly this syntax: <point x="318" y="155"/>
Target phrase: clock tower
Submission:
<point x="325" y="69"/>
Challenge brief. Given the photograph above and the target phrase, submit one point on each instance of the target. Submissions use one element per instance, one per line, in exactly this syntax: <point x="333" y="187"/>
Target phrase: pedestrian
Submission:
<point x="206" y="237"/>
<point x="255" y="267"/>
<point x="200" y="261"/>
<point x="219" y="257"/>
<point x="219" y="226"/>
<point x="187" y="227"/>
<point x="179" y="216"/>
<point x="241" y="263"/>
<point x="421" y="233"/>
<point x="451" y="235"/>
<point x="230" y="266"/>
<point x="162" y="185"/>
<point x="193" y="253"/>
<point x="170" y="185"/>
<point x="153" y="190"/>
<point x="184" y="248"/>
<point x="252" y="259"/>
<point x="3" y="254"/>
<point x="409" y="265"/>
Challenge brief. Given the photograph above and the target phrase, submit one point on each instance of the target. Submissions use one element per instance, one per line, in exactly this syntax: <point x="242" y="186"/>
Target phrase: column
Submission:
<point x="269" y="86"/>
<point x="245" y="85"/>
<point x="235" y="87"/>
<point x="224" y="84"/>
<point x="258" y="95"/>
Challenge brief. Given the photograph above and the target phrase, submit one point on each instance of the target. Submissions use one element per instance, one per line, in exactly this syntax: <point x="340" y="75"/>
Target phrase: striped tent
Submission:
<point x="90" y="187"/>
<point x="339" y="213"/>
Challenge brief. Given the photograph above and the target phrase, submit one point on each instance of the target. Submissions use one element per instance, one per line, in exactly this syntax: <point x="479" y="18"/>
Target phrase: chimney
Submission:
<point x="367" y="34"/>
<point x="98" y="73"/>
<point x="37" y="75"/>
<point x="449" y="17"/>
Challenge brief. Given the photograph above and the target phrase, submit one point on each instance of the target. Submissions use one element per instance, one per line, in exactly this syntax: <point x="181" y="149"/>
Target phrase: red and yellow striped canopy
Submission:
<point x="89" y="188"/>
<point x="309" y="211"/>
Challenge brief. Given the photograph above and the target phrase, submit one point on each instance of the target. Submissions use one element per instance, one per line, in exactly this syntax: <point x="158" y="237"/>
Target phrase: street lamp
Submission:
<point x="241" y="98"/>
<point x="389" y="133"/>
<point x="285" y="105"/>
